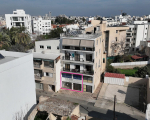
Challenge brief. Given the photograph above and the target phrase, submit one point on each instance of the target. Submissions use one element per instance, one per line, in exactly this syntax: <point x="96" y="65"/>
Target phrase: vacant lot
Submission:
<point x="128" y="72"/>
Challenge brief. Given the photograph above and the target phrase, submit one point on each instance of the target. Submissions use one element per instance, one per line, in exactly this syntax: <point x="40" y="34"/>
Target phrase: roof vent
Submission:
<point x="1" y="56"/>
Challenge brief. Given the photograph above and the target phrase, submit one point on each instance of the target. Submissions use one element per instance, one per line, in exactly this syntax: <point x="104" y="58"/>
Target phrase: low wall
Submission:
<point x="148" y="91"/>
<point x="135" y="81"/>
<point x="126" y="65"/>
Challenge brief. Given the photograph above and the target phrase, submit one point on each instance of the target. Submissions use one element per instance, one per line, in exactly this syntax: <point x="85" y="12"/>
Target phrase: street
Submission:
<point x="89" y="109"/>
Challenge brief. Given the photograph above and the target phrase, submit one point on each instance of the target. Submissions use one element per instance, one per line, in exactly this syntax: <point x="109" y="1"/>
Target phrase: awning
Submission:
<point x="48" y="60"/>
<point x="36" y="59"/>
<point x="87" y="43"/>
<point x="70" y="42"/>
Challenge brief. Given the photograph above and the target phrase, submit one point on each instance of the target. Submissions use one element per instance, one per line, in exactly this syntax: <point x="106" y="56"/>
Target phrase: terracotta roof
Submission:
<point x="114" y="75"/>
<point x="138" y="57"/>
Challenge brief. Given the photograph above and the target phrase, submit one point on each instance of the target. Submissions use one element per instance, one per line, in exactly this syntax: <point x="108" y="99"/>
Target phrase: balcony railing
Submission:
<point x="75" y="59"/>
<point x="79" y="71"/>
<point x="79" y="48"/>
<point x="38" y="76"/>
<point x="37" y="65"/>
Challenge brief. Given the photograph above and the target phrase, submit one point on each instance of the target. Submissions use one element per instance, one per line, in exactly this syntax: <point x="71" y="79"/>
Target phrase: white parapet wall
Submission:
<point x="130" y="64"/>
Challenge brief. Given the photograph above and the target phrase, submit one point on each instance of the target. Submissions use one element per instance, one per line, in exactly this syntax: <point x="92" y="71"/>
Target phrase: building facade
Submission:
<point x="82" y="61"/>
<point x="17" y="19"/>
<point x="48" y="46"/>
<point x="17" y="84"/>
<point x="47" y="71"/>
<point x="137" y="34"/>
<point x="41" y="26"/>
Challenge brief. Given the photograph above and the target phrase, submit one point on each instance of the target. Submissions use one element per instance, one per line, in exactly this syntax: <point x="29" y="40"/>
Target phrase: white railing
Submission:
<point x="131" y="63"/>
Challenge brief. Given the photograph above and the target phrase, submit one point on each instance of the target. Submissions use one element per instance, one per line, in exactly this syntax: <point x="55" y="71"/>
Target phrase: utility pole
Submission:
<point x="114" y="106"/>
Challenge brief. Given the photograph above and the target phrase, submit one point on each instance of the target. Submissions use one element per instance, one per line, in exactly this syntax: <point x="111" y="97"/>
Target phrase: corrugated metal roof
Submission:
<point x="114" y="75"/>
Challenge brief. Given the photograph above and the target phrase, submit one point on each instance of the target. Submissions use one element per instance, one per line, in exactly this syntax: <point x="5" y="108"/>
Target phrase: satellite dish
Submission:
<point x="64" y="29"/>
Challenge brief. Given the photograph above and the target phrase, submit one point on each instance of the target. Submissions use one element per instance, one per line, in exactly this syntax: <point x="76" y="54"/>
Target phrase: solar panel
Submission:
<point x="1" y="56"/>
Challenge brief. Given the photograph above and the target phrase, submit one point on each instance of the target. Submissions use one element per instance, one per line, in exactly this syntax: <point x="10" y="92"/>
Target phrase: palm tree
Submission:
<point x="4" y="39"/>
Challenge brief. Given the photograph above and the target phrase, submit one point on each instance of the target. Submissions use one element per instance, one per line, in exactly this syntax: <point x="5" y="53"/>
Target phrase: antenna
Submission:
<point x="121" y="11"/>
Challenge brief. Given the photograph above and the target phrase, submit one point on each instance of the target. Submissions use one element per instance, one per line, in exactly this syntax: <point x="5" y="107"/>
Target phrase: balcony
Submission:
<point x="78" y="48"/>
<point x="38" y="76"/>
<point x="129" y="30"/>
<point x="75" y="59"/>
<point x="37" y="64"/>
<point x="79" y="71"/>
<point x="79" y="34"/>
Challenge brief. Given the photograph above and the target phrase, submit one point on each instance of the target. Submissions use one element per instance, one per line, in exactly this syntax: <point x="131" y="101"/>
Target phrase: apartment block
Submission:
<point x="82" y="61"/>
<point x="17" y="86"/>
<point x="41" y="26"/>
<point x="48" y="46"/>
<point x="137" y="35"/>
<point x="47" y="71"/>
<point x="115" y="34"/>
<point x="17" y="19"/>
<point x="47" y="65"/>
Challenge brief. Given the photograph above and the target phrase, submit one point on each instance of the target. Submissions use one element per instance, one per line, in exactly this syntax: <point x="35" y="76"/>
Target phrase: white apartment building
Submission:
<point x="136" y="34"/>
<point x="17" y="86"/>
<point x="48" y="46"/>
<point x="41" y="26"/>
<point x="17" y="19"/>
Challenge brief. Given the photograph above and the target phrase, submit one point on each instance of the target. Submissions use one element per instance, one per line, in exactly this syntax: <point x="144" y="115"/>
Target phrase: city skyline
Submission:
<point x="77" y="8"/>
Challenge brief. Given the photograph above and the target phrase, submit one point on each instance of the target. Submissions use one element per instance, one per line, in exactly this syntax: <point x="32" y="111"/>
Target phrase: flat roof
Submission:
<point x="7" y="59"/>
<point x="57" y="106"/>
<point x="50" y="56"/>
<point x="10" y="55"/>
<point x="48" y="39"/>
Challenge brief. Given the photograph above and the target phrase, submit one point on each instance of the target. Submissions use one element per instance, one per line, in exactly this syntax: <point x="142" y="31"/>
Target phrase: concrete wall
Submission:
<point x="148" y="91"/>
<point x="76" y="111"/>
<point x="134" y="81"/>
<point x="127" y="65"/>
<point x="58" y="69"/>
<point x="17" y="86"/>
<point x="114" y="81"/>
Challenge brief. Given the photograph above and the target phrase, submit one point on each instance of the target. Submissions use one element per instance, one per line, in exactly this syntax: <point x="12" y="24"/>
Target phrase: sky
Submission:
<point x="77" y="7"/>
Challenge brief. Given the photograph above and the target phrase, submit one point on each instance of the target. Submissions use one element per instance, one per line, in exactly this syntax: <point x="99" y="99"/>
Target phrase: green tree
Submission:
<point x="4" y="39"/>
<point x="143" y="71"/>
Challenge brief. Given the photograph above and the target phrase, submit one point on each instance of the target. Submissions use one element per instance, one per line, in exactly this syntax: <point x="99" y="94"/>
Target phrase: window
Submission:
<point x="99" y="51"/>
<point x="66" y="75"/>
<point x="57" y="47"/>
<point x="48" y="47"/>
<point x="103" y="60"/>
<point x="39" y="85"/>
<point x="145" y="33"/>
<point x="146" y="28"/>
<point x="135" y="28"/>
<point x="96" y="65"/>
<point x="49" y="74"/>
<point x="48" y="63"/>
<point x="134" y="33"/>
<point x="116" y="31"/>
<point x="41" y="46"/>
<point x="100" y="40"/>
<point x="96" y="54"/>
<point x="97" y="42"/>
<point x="116" y="38"/>
<point x="77" y="77"/>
